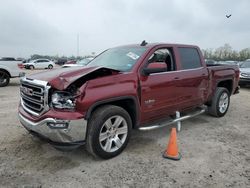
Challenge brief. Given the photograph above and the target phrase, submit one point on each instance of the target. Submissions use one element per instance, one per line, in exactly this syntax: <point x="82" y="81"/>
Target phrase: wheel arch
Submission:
<point x="228" y="84"/>
<point x="128" y="103"/>
<point x="1" y="69"/>
<point x="225" y="83"/>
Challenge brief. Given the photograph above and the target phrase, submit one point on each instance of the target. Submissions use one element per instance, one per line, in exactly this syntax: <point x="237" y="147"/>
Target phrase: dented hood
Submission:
<point x="61" y="78"/>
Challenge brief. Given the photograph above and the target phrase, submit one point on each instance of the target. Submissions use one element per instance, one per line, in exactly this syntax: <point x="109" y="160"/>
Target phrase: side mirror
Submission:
<point x="154" y="67"/>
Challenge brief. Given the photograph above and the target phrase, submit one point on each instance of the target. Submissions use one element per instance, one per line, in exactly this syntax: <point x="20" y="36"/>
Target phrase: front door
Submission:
<point x="158" y="90"/>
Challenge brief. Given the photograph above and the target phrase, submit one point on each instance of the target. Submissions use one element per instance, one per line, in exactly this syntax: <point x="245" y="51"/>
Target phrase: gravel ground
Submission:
<point x="215" y="153"/>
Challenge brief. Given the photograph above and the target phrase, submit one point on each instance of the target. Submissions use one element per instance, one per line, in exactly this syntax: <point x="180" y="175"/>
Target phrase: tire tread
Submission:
<point x="93" y="126"/>
<point x="212" y="110"/>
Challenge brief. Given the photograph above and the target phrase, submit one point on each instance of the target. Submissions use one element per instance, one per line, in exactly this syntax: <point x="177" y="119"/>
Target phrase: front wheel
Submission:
<point x="31" y="67"/>
<point x="220" y="102"/>
<point x="4" y="78"/>
<point x="108" y="131"/>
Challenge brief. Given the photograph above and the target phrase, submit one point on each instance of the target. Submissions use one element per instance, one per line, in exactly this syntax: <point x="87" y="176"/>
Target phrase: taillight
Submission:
<point x="20" y="65"/>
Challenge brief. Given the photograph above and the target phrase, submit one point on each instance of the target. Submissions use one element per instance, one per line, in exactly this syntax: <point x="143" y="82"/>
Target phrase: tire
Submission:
<point x="220" y="102"/>
<point x="50" y="67"/>
<point x="102" y="122"/>
<point x="31" y="67"/>
<point x="4" y="78"/>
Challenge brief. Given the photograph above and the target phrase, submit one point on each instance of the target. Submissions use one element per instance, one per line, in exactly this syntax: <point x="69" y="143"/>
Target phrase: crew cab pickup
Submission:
<point x="9" y="68"/>
<point x="124" y="88"/>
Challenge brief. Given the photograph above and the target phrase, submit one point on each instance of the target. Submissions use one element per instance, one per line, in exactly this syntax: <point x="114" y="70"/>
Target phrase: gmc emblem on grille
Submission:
<point x="27" y="91"/>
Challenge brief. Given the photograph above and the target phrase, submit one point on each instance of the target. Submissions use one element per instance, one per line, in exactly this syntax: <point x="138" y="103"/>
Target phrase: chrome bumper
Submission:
<point x="74" y="132"/>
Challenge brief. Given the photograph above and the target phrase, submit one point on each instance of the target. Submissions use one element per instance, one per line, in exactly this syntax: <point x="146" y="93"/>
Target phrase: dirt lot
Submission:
<point x="215" y="153"/>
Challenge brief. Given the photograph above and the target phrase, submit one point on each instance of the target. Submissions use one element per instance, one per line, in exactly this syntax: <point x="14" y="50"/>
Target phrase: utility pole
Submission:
<point x="77" y="45"/>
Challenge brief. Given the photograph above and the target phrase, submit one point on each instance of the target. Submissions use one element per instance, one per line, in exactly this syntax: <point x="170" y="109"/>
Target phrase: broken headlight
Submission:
<point x="63" y="100"/>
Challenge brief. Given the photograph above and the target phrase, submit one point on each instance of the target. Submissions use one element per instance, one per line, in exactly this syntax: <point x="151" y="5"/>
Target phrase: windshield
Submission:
<point x="245" y="65"/>
<point x="122" y="59"/>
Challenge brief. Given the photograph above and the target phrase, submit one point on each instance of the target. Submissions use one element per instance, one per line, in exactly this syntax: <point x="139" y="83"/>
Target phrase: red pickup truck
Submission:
<point x="124" y="88"/>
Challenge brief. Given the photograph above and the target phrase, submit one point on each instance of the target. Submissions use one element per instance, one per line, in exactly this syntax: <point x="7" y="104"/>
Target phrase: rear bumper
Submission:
<point x="73" y="133"/>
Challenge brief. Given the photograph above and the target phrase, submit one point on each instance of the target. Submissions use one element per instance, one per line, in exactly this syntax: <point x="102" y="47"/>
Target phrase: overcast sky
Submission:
<point x="51" y="26"/>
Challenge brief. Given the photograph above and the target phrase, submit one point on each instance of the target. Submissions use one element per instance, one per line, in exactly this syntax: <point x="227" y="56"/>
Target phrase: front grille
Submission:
<point x="34" y="96"/>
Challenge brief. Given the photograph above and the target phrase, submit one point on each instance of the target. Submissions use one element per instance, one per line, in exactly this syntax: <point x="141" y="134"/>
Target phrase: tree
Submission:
<point x="226" y="52"/>
<point x="244" y="54"/>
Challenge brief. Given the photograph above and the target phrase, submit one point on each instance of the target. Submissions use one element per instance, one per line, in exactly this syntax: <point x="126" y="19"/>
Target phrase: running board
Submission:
<point x="199" y="110"/>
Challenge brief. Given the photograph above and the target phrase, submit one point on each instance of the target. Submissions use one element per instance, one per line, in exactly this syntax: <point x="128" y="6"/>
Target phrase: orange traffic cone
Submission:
<point x="171" y="151"/>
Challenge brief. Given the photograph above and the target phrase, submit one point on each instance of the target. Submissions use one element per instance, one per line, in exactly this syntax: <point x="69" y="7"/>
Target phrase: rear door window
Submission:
<point x="42" y="61"/>
<point x="189" y="58"/>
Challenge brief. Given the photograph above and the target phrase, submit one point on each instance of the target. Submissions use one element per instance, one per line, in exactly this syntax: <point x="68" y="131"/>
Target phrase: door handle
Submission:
<point x="176" y="78"/>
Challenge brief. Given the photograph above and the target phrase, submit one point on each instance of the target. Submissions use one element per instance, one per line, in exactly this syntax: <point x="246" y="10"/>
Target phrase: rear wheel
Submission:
<point x="4" y="78"/>
<point x="31" y="67"/>
<point x="220" y="102"/>
<point x="50" y="67"/>
<point x="108" y="131"/>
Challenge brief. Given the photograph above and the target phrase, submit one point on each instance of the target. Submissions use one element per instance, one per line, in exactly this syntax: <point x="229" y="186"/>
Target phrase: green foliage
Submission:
<point x="225" y="53"/>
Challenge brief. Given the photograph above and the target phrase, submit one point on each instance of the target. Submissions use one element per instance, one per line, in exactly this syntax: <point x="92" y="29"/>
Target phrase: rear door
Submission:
<point x="42" y="63"/>
<point x="192" y="77"/>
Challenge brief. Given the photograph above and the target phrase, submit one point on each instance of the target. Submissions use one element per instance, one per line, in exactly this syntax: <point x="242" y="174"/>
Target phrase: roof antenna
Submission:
<point x="144" y="43"/>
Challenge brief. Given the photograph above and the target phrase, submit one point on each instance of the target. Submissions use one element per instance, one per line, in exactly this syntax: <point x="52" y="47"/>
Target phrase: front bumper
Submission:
<point x="74" y="133"/>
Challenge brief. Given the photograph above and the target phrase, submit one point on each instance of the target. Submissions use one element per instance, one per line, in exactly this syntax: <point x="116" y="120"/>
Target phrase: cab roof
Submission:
<point x="152" y="45"/>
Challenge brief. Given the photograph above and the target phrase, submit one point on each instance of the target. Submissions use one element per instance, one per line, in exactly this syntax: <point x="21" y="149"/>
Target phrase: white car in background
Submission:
<point x="39" y="64"/>
<point x="79" y="63"/>
<point x="9" y="68"/>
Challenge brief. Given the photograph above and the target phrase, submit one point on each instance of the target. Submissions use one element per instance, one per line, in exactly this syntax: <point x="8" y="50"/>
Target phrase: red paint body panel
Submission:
<point x="61" y="78"/>
<point x="157" y="95"/>
<point x="107" y="88"/>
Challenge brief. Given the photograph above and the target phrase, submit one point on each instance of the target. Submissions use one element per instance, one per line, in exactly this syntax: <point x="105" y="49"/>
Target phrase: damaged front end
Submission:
<point x="66" y="89"/>
<point x="48" y="108"/>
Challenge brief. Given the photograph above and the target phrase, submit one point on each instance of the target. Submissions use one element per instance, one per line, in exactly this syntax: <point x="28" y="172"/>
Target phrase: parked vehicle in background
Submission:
<point x="7" y="59"/>
<point x="228" y="63"/>
<point x="210" y="62"/>
<point x="244" y="73"/>
<point x="61" y="61"/>
<point x="9" y="68"/>
<point x="71" y="62"/>
<point x="21" y="59"/>
<point x="39" y="64"/>
<point x="79" y="63"/>
<point x="124" y="88"/>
